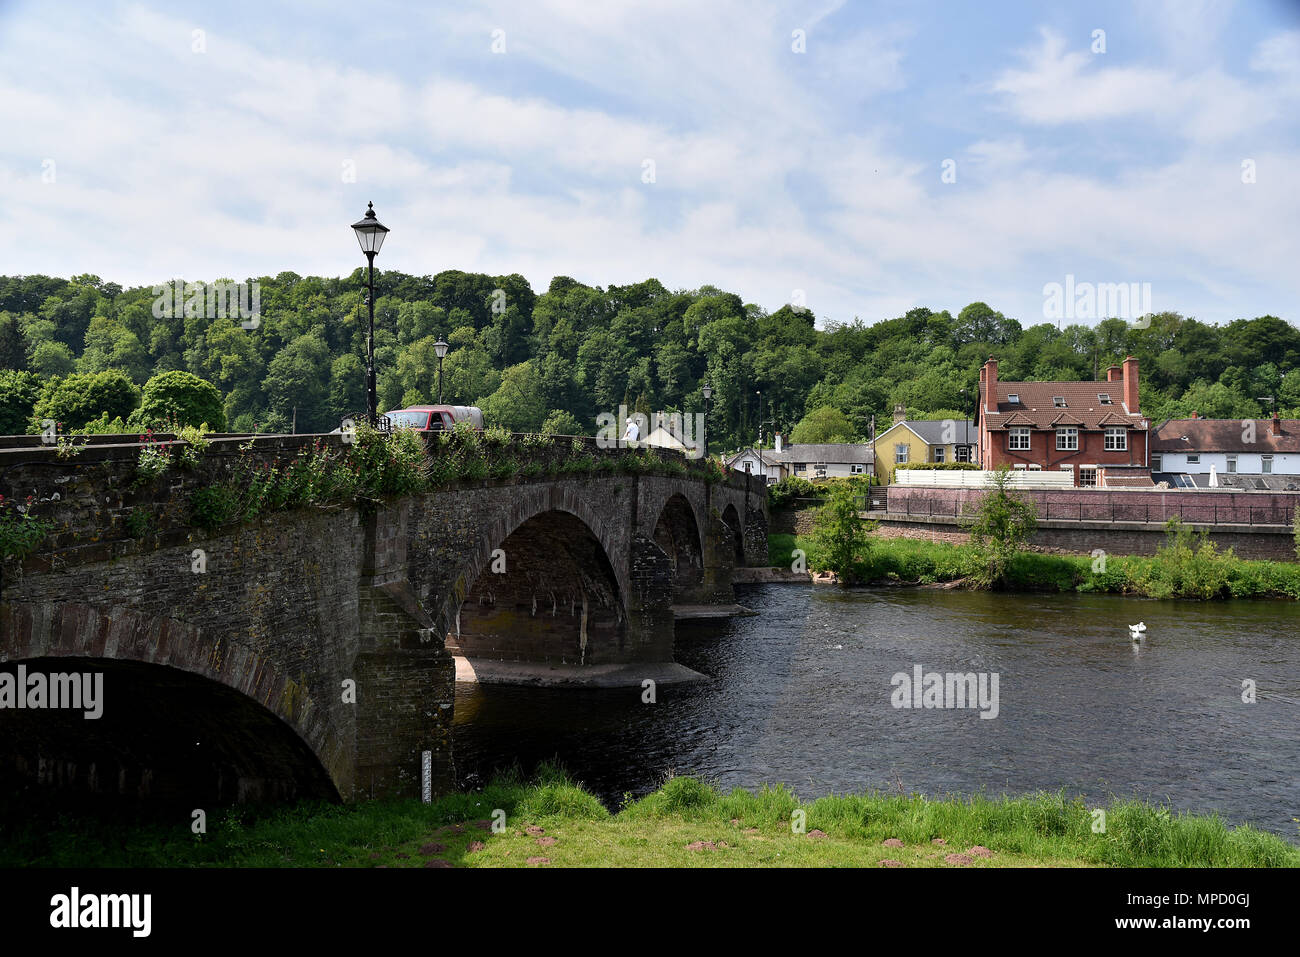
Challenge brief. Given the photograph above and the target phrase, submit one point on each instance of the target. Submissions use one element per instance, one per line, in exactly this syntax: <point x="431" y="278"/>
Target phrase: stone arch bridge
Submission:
<point x="310" y="652"/>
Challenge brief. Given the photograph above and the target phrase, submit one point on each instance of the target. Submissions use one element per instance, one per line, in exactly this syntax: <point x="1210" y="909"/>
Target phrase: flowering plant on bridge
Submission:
<point x="20" y="533"/>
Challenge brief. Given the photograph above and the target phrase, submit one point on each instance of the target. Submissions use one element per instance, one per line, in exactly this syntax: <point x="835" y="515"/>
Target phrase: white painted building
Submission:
<point x="757" y="462"/>
<point x="1248" y="447"/>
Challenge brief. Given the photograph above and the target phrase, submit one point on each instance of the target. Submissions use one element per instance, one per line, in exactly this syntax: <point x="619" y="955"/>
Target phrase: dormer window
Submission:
<point x="1104" y="398"/>
<point x="1013" y="398"/>
<point x="1058" y="401"/>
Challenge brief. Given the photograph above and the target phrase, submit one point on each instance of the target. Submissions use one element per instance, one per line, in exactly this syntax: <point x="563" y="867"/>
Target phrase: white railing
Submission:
<point x="972" y="478"/>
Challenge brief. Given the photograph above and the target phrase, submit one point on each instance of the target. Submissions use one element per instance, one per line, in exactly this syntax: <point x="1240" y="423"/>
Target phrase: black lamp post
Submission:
<point x="708" y="394"/>
<point x="440" y="348"/>
<point x="370" y="234"/>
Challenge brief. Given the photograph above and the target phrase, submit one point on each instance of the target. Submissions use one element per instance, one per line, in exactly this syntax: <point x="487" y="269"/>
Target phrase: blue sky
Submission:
<point x="140" y="149"/>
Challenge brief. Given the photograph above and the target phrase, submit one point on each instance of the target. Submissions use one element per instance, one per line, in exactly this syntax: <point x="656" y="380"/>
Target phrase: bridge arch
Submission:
<point x="259" y="734"/>
<point x="677" y="532"/>
<point x="731" y="520"/>
<point x="546" y="583"/>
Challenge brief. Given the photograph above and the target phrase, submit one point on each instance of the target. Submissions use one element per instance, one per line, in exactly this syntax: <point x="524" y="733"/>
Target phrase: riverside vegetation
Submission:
<point x="551" y="820"/>
<point x="1187" y="565"/>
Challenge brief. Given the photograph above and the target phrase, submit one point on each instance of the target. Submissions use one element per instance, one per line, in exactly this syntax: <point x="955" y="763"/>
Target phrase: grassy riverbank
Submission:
<point x="551" y="821"/>
<point x="1183" y="573"/>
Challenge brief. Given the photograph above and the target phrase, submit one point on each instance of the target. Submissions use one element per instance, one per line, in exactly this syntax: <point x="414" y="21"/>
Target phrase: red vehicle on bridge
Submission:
<point x="435" y="418"/>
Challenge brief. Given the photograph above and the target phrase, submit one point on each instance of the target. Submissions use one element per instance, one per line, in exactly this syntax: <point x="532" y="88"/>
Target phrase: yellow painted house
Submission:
<point x="913" y="440"/>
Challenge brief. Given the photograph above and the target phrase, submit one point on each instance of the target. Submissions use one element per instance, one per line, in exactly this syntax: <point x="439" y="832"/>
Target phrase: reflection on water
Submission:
<point x="801" y="695"/>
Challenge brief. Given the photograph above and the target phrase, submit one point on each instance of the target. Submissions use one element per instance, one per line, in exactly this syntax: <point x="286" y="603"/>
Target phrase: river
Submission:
<point x="801" y="694"/>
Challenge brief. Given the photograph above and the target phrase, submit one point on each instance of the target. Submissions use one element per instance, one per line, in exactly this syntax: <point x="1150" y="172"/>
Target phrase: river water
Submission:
<point x="801" y="694"/>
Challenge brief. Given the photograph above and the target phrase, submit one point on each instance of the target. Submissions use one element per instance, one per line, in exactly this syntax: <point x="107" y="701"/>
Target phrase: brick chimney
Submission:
<point x="1276" y="427"/>
<point x="1194" y="415"/>
<point x="1131" y="385"/>
<point x="1113" y="373"/>
<point x="900" y="413"/>
<point x="990" y="375"/>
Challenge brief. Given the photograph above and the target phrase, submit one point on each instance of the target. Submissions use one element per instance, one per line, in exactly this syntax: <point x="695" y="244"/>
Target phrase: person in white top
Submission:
<point x="633" y="431"/>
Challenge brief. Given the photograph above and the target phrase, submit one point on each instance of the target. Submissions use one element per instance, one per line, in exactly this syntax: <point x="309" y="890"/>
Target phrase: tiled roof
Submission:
<point x="931" y="431"/>
<point x="1128" y="481"/>
<point x="838" y="453"/>
<point x="1225" y="435"/>
<point x="1036" y="407"/>
<point x="766" y="456"/>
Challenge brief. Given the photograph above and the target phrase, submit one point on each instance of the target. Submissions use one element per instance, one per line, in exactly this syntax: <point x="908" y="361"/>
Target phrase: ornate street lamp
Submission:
<point x="708" y="394"/>
<point x="370" y="234"/>
<point x="440" y="348"/>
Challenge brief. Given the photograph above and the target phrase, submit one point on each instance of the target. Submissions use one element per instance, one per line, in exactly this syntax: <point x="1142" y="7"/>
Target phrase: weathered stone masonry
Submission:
<point x="296" y="605"/>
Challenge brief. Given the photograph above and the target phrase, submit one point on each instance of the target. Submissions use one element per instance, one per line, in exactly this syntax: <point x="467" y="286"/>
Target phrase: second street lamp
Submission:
<point x="370" y="234"/>
<point x="440" y="348"/>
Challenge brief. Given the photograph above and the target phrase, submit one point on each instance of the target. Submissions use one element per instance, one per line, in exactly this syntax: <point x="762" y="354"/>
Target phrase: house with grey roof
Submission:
<point x="937" y="441"/>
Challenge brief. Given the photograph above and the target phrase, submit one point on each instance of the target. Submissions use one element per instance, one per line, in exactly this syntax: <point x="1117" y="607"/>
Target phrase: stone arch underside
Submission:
<point x="678" y="533"/>
<point x="186" y="719"/>
<point x="731" y="521"/>
<point x="547" y="593"/>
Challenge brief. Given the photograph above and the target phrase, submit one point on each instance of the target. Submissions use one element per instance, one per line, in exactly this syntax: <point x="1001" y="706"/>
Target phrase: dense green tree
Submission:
<point x="13" y="342"/>
<point x="826" y="424"/>
<point x="18" y="394"/>
<point x="182" y="398"/>
<point x="79" y="398"/>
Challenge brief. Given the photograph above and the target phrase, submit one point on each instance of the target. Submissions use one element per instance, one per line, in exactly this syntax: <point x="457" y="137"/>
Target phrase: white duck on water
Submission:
<point x="1135" y="631"/>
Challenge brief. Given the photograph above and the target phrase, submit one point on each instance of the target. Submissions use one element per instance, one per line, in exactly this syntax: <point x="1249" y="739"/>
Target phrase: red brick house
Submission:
<point x="1092" y="429"/>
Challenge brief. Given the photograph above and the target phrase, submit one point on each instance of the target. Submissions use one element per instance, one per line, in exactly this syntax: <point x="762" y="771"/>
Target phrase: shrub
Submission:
<point x="940" y="466"/>
<point x="214" y="506"/>
<point x="1188" y="565"/>
<point x="496" y="435"/>
<point x="1000" y="524"/>
<point x="80" y="398"/>
<point x="18" y="394"/>
<point x="784" y="492"/>
<point x="840" y="538"/>
<point x="103" y="426"/>
<point x="179" y="398"/>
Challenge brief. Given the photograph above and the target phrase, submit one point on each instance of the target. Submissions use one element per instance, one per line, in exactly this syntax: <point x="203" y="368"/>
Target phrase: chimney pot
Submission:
<point x="1130" y="381"/>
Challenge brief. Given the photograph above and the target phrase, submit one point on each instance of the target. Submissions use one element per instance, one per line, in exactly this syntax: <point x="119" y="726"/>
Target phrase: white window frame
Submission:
<point x="1103" y="398"/>
<point x="939" y="453"/>
<point x="1232" y="462"/>
<point x="1058" y="402"/>
<point x="856" y="469"/>
<point x="1157" y="461"/>
<point x="1116" y="439"/>
<point x="1083" y="477"/>
<point x="1193" y="458"/>
<point x="1063" y="439"/>
<point x="1019" y="432"/>
<point x="901" y="451"/>
<point x="1266" y="465"/>
<point x="1014" y="398"/>
<point x="749" y="466"/>
<point x="799" y="467"/>
<point x="961" y="453"/>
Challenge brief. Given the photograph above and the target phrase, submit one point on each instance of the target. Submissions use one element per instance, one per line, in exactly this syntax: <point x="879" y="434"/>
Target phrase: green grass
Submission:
<point x="924" y="562"/>
<point x="686" y="823"/>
